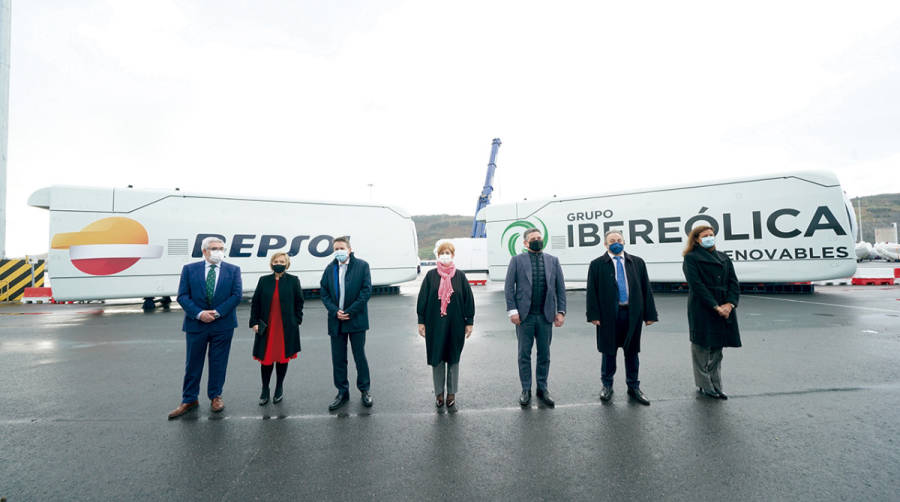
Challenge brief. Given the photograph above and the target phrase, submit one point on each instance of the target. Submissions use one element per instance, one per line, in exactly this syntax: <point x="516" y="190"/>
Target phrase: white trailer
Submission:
<point x="110" y="243"/>
<point x="889" y="251"/>
<point x="782" y="228"/>
<point x="471" y="253"/>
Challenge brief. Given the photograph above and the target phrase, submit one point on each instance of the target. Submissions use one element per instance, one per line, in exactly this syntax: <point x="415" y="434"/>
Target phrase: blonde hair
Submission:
<point x="287" y="259"/>
<point x="444" y="246"/>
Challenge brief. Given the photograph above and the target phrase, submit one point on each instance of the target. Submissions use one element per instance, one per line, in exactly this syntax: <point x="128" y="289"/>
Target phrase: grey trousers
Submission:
<point x="451" y="377"/>
<point x="707" y="367"/>
<point x="533" y="329"/>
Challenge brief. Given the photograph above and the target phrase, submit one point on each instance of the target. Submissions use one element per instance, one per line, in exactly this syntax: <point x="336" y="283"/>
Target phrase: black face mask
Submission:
<point x="278" y="268"/>
<point x="536" y="245"/>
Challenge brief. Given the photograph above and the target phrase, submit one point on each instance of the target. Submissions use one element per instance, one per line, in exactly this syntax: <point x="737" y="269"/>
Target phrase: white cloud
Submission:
<point x="309" y="100"/>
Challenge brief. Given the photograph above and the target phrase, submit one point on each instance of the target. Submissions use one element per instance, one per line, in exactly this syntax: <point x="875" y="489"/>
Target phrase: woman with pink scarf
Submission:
<point x="446" y="312"/>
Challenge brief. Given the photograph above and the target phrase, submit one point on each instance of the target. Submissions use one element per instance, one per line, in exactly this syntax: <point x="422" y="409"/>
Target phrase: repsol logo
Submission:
<point x="783" y="223"/>
<point x="243" y="245"/>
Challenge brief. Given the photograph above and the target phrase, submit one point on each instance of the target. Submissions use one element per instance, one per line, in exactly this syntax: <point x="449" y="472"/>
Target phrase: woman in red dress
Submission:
<point x="276" y="313"/>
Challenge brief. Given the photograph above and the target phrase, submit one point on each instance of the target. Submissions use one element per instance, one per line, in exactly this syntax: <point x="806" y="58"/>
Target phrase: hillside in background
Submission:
<point x="431" y="228"/>
<point x="877" y="211"/>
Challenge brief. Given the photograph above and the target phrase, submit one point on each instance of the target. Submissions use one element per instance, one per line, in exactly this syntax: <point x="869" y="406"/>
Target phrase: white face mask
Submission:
<point x="446" y="258"/>
<point x="216" y="256"/>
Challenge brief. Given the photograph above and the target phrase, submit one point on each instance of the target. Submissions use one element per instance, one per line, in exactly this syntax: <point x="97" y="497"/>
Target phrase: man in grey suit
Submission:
<point x="535" y="302"/>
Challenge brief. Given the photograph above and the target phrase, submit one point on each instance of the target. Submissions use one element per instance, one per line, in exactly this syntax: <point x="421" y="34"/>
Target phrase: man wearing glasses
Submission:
<point x="209" y="293"/>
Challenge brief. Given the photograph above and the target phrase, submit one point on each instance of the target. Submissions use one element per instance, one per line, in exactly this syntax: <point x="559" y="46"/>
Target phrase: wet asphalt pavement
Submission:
<point x="814" y="412"/>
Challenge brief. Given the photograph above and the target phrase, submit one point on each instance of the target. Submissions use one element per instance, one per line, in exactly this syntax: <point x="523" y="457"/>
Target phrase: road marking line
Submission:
<point x="428" y="414"/>
<point x="875" y="309"/>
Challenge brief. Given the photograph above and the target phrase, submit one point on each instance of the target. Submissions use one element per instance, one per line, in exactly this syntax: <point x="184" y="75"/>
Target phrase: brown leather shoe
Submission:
<point x="182" y="409"/>
<point x="217" y="404"/>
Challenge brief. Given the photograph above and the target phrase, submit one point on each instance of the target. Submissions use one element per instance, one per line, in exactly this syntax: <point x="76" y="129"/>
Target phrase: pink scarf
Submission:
<point x="445" y="289"/>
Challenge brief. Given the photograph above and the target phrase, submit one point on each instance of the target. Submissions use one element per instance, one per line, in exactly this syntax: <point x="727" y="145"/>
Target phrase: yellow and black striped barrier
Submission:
<point x="16" y="275"/>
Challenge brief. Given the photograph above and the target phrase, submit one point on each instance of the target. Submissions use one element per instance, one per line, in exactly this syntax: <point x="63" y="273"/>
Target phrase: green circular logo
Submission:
<point x="514" y="231"/>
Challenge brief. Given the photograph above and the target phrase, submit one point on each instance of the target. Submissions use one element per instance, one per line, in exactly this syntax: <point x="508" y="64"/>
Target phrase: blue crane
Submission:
<point x="478" y="230"/>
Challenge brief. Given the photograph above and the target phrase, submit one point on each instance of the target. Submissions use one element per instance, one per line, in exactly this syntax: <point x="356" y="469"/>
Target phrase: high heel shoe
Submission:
<point x="264" y="397"/>
<point x="279" y="395"/>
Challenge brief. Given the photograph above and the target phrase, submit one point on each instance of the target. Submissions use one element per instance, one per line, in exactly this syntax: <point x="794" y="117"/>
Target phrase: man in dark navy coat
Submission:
<point x="209" y="293"/>
<point x="619" y="303"/>
<point x="346" y="286"/>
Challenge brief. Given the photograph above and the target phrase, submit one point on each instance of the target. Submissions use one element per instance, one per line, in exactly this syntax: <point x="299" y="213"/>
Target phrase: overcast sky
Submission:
<point x="319" y="99"/>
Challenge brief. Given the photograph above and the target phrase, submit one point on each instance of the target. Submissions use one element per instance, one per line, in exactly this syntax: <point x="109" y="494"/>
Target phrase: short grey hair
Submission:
<point x="529" y="232"/>
<point x="606" y="235"/>
<point x="209" y="240"/>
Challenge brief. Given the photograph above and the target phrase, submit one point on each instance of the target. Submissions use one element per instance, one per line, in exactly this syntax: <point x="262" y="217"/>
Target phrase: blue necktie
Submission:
<point x="620" y="281"/>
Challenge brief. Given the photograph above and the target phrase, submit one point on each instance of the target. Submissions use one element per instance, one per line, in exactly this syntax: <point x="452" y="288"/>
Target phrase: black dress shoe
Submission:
<point x="366" y="399"/>
<point x="606" y="393"/>
<point x="713" y="394"/>
<point x="279" y="395"/>
<point x="525" y="398"/>
<point x="264" y="397"/>
<point x="339" y="401"/>
<point x="721" y="394"/>
<point x="544" y="397"/>
<point x="639" y="396"/>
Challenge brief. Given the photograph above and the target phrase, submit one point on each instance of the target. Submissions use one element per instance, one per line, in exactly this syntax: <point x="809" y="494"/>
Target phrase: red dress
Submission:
<point x="275" y="334"/>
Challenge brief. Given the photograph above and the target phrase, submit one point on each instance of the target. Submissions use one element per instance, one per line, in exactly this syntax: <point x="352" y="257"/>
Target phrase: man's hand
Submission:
<point x="422" y="330"/>
<point x="560" y="320"/>
<point x="515" y="319"/>
<point x="207" y="316"/>
<point x="648" y="323"/>
<point x="468" y="331"/>
<point x="343" y="316"/>
<point x="595" y="323"/>
<point x="255" y="328"/>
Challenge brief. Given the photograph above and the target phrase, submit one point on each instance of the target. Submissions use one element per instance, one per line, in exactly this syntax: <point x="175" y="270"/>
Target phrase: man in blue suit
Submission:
<point x="535" y="302"/>
<point x="209" y="293"/>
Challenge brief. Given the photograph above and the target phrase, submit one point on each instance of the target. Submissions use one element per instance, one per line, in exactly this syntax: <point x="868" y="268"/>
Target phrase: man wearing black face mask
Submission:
<point x="535" y="302"/>
<point x="619" y="299"/>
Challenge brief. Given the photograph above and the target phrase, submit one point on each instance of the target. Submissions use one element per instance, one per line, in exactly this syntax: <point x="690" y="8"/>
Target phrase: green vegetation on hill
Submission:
<point x="877" y="211"/>
<point x="431" y="228"/>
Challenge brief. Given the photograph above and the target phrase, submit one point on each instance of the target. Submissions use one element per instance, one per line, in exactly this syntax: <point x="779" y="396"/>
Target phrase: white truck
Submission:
<point x="108" y="243"/>
<point x="784" y="228"/>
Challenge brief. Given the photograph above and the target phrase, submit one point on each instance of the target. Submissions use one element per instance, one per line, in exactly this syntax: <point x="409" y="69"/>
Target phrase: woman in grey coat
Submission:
<point x="713" y="296"/>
